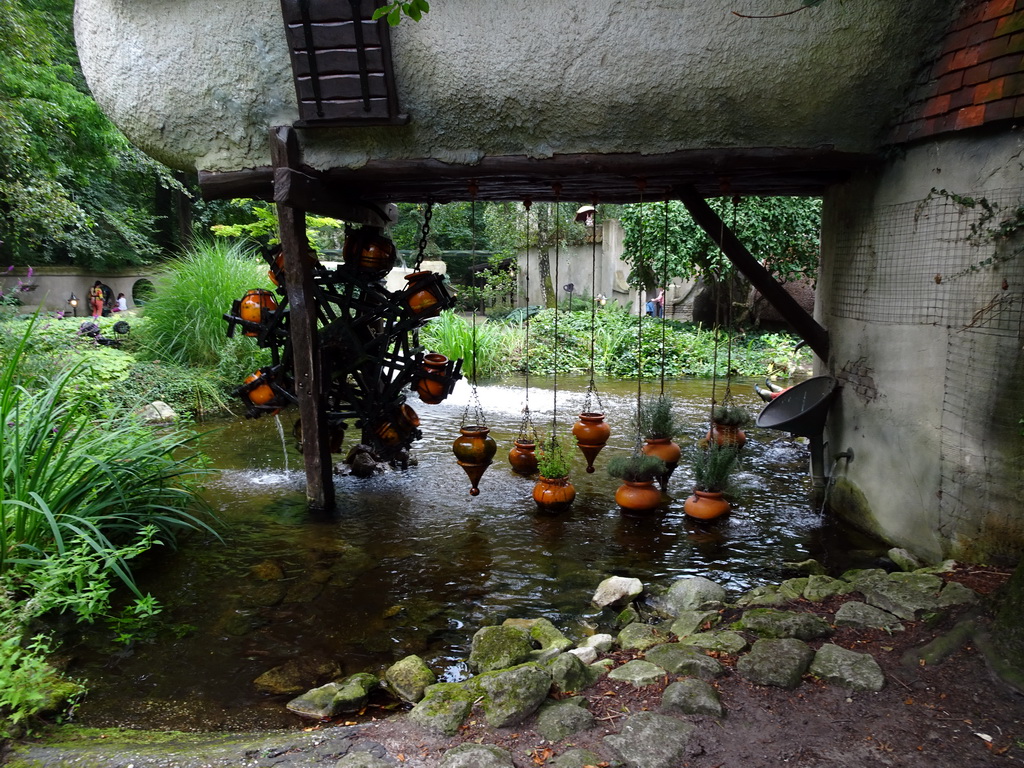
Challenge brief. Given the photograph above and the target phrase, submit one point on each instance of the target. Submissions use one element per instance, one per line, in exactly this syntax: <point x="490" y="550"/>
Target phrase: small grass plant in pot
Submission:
<point x="712" y="467"/>
<point x="657" y="424"/>
<point x="638" y="471"/>
<point x="727" y="422"/>
<point x="553" y="491"/>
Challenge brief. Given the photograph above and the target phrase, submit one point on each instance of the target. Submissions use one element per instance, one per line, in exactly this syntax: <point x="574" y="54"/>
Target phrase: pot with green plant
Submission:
<point x="657" y="425"/>
<point x="638" y="471"/>
<point x="727" y="422"/>
<point x="712" y="467"/>
<point x="553" y="491"/>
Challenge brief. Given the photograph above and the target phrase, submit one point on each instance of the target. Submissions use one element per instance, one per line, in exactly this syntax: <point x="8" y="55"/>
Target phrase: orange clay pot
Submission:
<point x="522" y="457"/>
<point x="554" y="493"/>
<point x="706" y="505"/>
<point x="638" y="496"/>
<point x="591" y="433"/>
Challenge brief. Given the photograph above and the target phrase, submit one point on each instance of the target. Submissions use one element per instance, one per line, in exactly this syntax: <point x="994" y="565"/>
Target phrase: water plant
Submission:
<point x="636" y="467"/>
<point x="552" y="462"/>
<point x="655" y="419"/>
<point x="730" y="415"/>
<point x="713" y="466"/>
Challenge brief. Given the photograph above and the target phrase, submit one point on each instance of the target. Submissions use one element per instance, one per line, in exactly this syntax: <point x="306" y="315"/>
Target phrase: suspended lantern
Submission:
<point x="254" y="309"/>
<point x="474" y="449"/>
<point x="263" y="392"/>
<point x="591" y="431"/>
<point x="436" y="378"/>
<point x="427" y="295"/>
<point x="368" y="249"/>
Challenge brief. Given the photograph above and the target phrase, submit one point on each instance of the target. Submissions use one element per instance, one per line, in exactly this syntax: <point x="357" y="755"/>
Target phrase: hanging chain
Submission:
<point x="558" y="236"/>
<point x="592" y="395"/>
<point x="527" y="432"/>
<point x="640" y="317"/>
<point x="664" y="287"/>
<point x="730" y="317"/>
<point x="474" y="399"/>
<point x="424" y="234"/>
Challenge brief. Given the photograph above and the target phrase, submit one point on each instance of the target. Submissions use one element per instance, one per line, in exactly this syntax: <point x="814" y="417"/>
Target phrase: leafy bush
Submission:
<point x="712" y="466"/>
<point x="552" y="462"/>
<point x="654" y="417"/>
<point x="636" y="467"/>
<point x="78" y="500"/>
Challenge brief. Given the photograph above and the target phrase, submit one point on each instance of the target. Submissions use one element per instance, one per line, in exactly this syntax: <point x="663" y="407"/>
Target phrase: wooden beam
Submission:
<point x="298" y="272"/>
<point x="309" y="193"/>
<point x="804" y="325"/>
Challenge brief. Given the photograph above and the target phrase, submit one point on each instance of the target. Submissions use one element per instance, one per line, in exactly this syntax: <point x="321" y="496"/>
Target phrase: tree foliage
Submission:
<point x="662" y="239"/>
<point x="72" y="189"/>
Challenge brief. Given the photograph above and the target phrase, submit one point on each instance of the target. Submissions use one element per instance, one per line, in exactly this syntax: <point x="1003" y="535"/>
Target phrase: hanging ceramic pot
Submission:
<point x="666" y="450"/>
<point x="399" y="427"/>
<point x="706" y="505"/>
<point x="638" y="496"/>
<point x="427" y="295"/>
<point x="591" y="433"/>
<point x="474" y="448"/>
<point x="433" y="388"/>
<point x="254" y="308"/>
<point x="522" y="457"/>
<point x="276" y="273"/>
<point x="727" y="435"/>
<point x="554" y="494"/>
<point x="367" y="249"/>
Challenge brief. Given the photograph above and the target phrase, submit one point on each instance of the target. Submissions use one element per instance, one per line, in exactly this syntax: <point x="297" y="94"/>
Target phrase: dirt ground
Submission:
<point x="954" y="714"/>
<point x="950" y="715"/>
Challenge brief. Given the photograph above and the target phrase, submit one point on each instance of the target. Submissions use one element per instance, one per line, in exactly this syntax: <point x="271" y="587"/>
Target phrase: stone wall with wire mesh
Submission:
<point x="945" y="261"/>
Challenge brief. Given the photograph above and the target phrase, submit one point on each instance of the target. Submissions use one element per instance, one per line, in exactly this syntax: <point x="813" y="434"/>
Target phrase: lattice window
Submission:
<point x="341" y="60"/>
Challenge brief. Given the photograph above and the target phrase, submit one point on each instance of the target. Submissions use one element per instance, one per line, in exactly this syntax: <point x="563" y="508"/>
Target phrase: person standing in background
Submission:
<point x="96" y="300"/>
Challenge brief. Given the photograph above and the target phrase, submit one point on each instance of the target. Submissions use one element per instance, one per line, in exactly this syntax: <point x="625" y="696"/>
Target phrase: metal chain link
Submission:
<point x="424" y="234"/>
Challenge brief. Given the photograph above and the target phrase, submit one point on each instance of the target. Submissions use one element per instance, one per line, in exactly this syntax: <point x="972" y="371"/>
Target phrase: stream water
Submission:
<point x="411" y="563"/>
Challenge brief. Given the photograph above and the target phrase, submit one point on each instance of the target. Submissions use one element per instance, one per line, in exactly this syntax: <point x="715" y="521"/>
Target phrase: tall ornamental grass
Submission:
<point x="69" y="481"/>
<point x="496" y="349"/>
<point x="185" y="317"/>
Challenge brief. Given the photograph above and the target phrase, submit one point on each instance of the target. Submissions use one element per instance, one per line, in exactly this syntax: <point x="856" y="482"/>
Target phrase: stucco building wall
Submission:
<point x="926" y="344"/>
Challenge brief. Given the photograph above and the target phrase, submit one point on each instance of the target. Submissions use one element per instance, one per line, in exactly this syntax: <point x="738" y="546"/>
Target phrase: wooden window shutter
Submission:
<point x="341" y="60"/>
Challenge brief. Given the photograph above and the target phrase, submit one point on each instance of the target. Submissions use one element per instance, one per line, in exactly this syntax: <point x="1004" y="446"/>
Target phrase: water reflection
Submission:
<point x="411" y="563"/>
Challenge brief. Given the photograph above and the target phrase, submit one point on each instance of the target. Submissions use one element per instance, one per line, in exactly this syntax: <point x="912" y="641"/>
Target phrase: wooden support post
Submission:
<point x="298" y="273"/>
<point x="803" y="324"/>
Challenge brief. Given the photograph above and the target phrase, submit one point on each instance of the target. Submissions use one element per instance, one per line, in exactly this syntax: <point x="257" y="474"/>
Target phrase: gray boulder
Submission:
<point x="476" y="756"/>
<point x="907" y="595"/>
<point x="904" y="560"/>
<point x="584" y="653"/>
<point x="362" y="760"/>
<point x="692" y="697"/>
<point x="638" y="673"/>
<point x="617" y="590"/>
<point x="157" y="412"/>
<point x="569" y="674"/>
<point x="691" y="622"/>
<point x="349" y="695"/>
<point x="296" y="675"/>
<point x="847" y="669"/>
<point x="854" y="613"/>
<point x="444" y="707"/>
<point x="721" y="640"/>
<point x="409" y="678"/>
<point x="780" y="663"/>
<point x="793" y="589"/>
<point x="512" y="695"/>
<point x="543" y="633"/>
<point x="601" y="642"/>
<point x="766" y="594"/>
<point x="821" y="587"/>
<point x="640" y="637"/>
<point x="692" y="594"/>
<point x="499" y="648"/>
<point x="650" y="740"/>
<point x="575" y="758"/>
<point x="811" y="567"/>
<point x="557" y="720"/>
<point x="682" y="660"/>
<point x="768" y="622"/>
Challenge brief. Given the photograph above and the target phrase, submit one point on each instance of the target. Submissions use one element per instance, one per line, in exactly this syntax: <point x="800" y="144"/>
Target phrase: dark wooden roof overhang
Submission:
<point x="606" y="178"/>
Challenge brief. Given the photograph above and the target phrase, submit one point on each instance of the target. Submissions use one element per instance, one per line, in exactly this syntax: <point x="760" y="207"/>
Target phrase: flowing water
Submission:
<point x="411" y="563"/>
